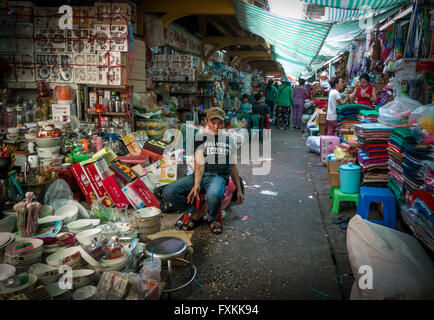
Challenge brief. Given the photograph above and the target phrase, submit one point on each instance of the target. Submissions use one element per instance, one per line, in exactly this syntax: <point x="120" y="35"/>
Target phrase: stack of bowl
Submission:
<point x="67" y="256"/>
<point x="8" y="224"/>
<point x="80" y="225"/>
<point x="68" y="213"/>
<point x="49" y="150"/>
<point x="147" y="221"/>
<point x="46" y="274"/>
<point x="22" y="254"/>
<point x="85" y="293"/>
<point x="6" y="239"/>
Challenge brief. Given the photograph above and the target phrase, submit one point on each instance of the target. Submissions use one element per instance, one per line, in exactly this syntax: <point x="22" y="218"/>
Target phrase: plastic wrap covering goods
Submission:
<point x="401" y="269"/>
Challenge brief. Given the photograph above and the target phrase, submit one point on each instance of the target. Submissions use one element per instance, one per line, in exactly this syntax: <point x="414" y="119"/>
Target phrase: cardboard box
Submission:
<point x="122" y="171"/>
<point x="93" y="172"/>
<point x="83" y="182"/>
<point x="169" y="170"/>
<point x="328" y="145"/>
<point x="333" y="179"/>
<point x="132" y="197"/>
<point x="114" y="189"/>
<point x="321" y="131"/>
<point x="143" y="192"/>
<point x="61" y="112"/>
<point x="322" y="117"/>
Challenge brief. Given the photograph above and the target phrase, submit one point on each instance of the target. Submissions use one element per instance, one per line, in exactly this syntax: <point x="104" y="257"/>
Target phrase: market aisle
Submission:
<point x="281" y="249"/>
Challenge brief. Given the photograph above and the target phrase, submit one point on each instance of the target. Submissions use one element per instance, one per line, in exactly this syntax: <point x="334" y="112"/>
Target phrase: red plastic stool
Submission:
<point x="201" y="206"/>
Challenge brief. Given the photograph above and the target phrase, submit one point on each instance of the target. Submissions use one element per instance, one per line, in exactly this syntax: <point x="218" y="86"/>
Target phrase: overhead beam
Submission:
<point x="223" y="42"/>
<point x="247" y="60"/>
<point x="175" y="9"/>
<point x="243" y="54"/>
<point x="220" y="27"/>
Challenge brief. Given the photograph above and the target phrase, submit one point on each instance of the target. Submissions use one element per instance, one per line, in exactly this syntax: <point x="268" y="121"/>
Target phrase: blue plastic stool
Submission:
<point x="383" y="195"/>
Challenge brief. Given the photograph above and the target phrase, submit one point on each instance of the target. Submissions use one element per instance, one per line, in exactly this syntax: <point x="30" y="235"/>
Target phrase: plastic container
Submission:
<point x="151" y="270"/>
<point x="350" y="178"/>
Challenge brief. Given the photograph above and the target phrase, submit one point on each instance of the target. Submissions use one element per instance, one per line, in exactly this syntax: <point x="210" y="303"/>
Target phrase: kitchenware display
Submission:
<point x="48" y="221"/>
<point x="84" y="293"/>
<point x="57" y="292"/>
<point x="46" y="211"/>
<point x="7" y="292"/>
<point x="68" y="256"/>
<point x="46" y="274"/>
<point x="68" y="213"/>
<point x="47" y="142"/>
<point x="8" y="224"/>
<point x="49" y="152"/>
<point x="82" y="277"/>
<point x="6" y="271"/>
<point x="80" y="225"/>
<point x="85" y="237"/>
<point x="22" y="254"/>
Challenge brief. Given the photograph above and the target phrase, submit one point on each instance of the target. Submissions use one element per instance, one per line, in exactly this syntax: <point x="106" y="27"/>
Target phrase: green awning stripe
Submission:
<point x="357" y="4"/>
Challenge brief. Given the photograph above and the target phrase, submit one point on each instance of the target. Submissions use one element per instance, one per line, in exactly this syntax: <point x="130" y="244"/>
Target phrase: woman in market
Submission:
<point x="164" y="108"/>
<point x="283" y="102"/>
<point x="244" y="106"/>
<point x="336" y="85"/>
<point x="270" y="95"/>
<point x="364" y="93"/>
<point x="300" y="95"/>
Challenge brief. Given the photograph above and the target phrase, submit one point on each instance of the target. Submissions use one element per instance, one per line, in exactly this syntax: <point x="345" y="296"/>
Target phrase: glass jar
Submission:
<point x="20" y="115"/>
<point x="11" y="119"/>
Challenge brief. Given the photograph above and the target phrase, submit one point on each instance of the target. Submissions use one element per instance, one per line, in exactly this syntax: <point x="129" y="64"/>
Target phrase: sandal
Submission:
<point x="191" y="223"/>
<point x="215" y="227"/>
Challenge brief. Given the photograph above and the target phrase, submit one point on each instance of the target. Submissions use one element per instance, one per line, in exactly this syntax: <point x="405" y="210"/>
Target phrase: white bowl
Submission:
<point x="85" y="237"/>
<point x="49" y="220"/>
<point x="14" y="130"/>
<point x="47" y="142"/>
<point x="29" y="136"/>
<point x="68" y="256"/>
<point x="6" y="271"/>
<point x="46" y="274"/>
<point x="48" y="152"/>
<point x="55" y="291"/>
<point x="30" y="284"/>
<point x="82" y="277"/>
<point x="79" y="225"/>
<point x="46" y="211"/>
<point x="68" y="210"/>
<point x="84" y="293"/>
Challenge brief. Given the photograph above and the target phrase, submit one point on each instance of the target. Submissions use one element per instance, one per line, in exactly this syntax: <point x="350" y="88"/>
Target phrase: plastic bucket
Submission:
<point x="350" y="178"/>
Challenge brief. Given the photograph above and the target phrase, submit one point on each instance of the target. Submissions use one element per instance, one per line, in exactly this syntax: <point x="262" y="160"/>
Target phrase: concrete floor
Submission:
<point x="287" y="247"/>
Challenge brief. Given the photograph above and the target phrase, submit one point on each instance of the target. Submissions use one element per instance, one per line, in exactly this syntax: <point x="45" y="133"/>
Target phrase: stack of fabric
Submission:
<point x="368" y="116"/>
<point x="413" y="168"/>
<point x="348" y="116"/>
<point x="373" y="141"/>
<point x="395" y="150"/>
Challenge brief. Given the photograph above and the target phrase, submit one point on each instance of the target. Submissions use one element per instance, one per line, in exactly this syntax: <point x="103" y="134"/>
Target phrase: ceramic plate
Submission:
<point x="31" y="282"/>
<point x="6" y="271"/>
<point x="49" y="220"/>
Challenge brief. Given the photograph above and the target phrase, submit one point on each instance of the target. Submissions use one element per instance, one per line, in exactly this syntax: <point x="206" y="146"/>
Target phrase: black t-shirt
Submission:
<point x="217" y="152"/>
<point x="260" y="108"/>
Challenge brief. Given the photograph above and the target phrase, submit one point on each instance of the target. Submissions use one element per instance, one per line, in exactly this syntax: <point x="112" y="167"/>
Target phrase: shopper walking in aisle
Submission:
<point x="270" y="95"/>
<point x="283" y="102"/>
<point x="300" y="95"/>
<point x="214" y="163"/>
<point x="364" y="93"/>
<point x="336" y="85"/>
<point x="261" y="108"/>
<point x="244" y="106"/>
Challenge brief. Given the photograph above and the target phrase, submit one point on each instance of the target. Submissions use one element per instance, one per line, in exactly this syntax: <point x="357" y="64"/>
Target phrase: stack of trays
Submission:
<point x="6" y="239"/>
<point x="22" y="254"/>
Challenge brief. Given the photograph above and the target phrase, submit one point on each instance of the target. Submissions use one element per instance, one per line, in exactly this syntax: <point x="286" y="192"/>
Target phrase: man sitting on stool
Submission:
<point x="215" y="161"/>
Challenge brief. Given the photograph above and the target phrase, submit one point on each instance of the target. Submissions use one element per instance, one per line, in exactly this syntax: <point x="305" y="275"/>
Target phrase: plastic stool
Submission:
<point x="382" y="195"/>
<point x="339" y="196"/>
<point x="332" y="192"/>
<point x="312" y="131"/>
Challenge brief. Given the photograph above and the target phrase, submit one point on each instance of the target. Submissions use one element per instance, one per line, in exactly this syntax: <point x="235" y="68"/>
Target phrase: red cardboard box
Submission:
<point x="96" y="181"/>
<point x="140" y="188"/>
<point x="83" y="182"/>
<point x="112" y="187"/>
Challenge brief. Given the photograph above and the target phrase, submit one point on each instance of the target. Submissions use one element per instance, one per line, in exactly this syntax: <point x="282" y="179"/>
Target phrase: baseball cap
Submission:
<point x="215" y="113"/>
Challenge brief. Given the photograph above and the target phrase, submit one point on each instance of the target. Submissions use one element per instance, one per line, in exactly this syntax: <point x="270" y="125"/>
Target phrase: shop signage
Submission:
<point x="179" y="39"/>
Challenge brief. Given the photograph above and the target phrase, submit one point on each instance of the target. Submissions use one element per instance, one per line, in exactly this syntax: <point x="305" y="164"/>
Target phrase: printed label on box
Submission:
<point x="114" y="190"/>
<point x="83" y="182"/>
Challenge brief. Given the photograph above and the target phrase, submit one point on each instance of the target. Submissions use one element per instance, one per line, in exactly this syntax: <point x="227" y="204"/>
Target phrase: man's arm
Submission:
<point x="236" y="179"/>
<point x="199" y="169"/>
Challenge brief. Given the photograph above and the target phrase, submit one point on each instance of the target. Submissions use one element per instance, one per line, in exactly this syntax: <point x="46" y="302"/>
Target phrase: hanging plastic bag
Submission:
<point x="397" y="111"/>
<point x="59" y="189"/>
<point x="421" y="121"/>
